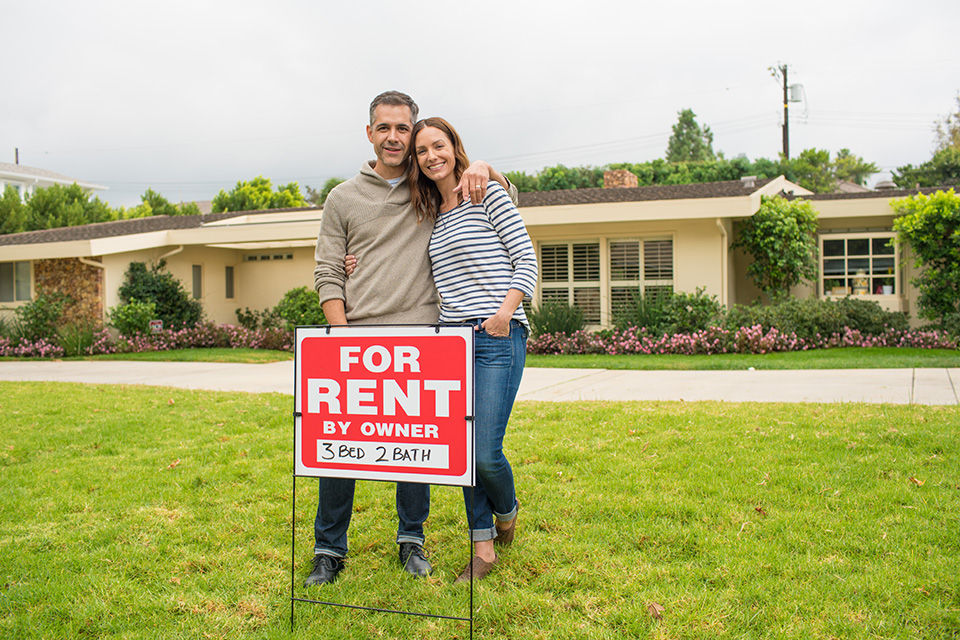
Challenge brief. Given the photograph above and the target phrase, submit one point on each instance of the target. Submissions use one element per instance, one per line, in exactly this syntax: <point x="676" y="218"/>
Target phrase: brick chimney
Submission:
<point x="619" y="179"/>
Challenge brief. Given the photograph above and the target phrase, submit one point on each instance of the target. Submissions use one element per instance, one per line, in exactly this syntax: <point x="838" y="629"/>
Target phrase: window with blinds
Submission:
<point x="628" y="283"/>
<point x="570" y="274"/>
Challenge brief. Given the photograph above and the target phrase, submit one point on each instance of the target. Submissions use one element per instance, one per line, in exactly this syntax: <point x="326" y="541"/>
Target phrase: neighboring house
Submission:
<point x="597" y="248"/>
<point x="26" y="180"/>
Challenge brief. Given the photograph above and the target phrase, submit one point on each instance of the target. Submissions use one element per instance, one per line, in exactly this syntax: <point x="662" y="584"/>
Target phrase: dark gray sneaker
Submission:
<point x="325" y="570"/>
<point x="414" y="560"/>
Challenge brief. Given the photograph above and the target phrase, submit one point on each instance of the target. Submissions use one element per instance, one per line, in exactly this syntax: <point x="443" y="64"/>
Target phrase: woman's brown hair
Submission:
<point x="424" y="194"/>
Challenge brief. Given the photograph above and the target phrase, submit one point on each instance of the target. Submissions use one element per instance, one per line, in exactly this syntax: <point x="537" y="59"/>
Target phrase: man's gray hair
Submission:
<point x="396" y="98"/>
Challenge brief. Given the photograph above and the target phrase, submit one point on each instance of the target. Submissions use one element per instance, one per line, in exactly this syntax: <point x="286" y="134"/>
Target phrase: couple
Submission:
<point x="435" y="222"/>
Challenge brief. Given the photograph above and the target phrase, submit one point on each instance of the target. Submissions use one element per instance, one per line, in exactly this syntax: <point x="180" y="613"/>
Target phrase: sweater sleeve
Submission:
<point x="329" y="276"/>
<point x="508" y="224"/>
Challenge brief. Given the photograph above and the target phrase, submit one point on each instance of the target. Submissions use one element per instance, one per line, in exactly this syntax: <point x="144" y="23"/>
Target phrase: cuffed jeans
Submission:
<point x="498" y="367"/>
<point x="336" y="505"/>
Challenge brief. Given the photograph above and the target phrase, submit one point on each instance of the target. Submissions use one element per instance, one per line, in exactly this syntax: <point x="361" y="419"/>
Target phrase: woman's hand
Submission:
<point x="497" y="325"/>
<point x="349" y="264"/>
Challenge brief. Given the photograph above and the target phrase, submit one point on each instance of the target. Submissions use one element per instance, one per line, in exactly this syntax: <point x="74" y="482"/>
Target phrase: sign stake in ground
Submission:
<point x="388" y="403"/>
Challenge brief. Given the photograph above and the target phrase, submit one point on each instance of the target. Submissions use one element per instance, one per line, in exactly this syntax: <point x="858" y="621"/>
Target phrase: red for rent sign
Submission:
<point x="385" y="403"/>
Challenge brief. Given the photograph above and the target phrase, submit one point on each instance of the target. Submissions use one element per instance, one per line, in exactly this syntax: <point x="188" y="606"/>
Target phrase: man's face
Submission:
<point x="390" y="134"/>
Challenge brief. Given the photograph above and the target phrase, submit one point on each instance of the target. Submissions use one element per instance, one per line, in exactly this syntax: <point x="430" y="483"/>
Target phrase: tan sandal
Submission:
<point x="505" y="536"/>
<point x="478" y="567"/>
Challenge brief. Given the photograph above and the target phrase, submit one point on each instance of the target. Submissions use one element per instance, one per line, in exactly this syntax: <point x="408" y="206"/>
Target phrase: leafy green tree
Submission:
<point x="690" y="142"/>
<point x="562" y="177"/>
<point x="65" y="206"/>
<point x="811" y="169"/>
<point x="154" y="204"/>
<point x="780" y="239"/>
<point x="942" y="169"/>
<point x="173" y="305"/>
<point x="257" y="194"/>
<point x="853" y="168"/>
<point x="13" y="213"/>
<point x="523" y="181"/>
<point x="319" y="197"/>
<point x="930" y="225"/>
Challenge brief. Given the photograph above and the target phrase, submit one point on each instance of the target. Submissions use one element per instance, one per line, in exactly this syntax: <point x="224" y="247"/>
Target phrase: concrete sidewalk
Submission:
<point x="895" y="386"/>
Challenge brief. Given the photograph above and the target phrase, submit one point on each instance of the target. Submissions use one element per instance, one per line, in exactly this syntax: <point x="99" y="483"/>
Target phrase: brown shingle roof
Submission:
<point x="725" y="189"/>
<point x="127" y="227"/>
<point x="880" y="193"/>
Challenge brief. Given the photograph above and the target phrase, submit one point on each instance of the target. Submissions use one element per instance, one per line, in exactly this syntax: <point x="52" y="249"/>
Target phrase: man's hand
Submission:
<point x="473" y="182"/>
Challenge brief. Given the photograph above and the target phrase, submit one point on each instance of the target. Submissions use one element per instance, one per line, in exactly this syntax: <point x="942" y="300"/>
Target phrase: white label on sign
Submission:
<point x="384" y="454"/>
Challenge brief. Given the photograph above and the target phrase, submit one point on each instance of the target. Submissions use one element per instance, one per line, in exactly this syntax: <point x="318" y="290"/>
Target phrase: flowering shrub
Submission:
<point x="25" y="348"/>
<point x="207" y="335"/>
<point x="753" y="339"/>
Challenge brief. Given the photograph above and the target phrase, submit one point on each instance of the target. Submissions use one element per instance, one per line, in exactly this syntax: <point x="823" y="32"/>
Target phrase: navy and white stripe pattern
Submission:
<point x="478" y="252"/>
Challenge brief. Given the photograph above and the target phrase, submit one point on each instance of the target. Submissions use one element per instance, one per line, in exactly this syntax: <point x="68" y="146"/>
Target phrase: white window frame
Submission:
<point x="574" y="288"/>
<point x="863" y="286"/>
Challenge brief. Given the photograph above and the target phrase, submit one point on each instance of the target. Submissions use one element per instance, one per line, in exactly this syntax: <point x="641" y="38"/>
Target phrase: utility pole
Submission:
<point x="786" y="113"/>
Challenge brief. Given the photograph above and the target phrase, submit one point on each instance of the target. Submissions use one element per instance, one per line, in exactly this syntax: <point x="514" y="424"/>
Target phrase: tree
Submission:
<point x="154" y="204"/>
<point x="942" y="169"/>
<point x="174" y="306"/>
<point x="689" y="142"/>
<point x="812" y="169"/>
<point x="780" y="239"/>
<point x="852" y="168"/>
<point x="64" y="206"/>
<point x="930" y="225"/>
<point x="523" y="181"/>
<point x="948" y="130"/>
<point x="257" y="194"/>
<point x="13" y="213"/>
<point x="319" y="197"/>
<point x="561" y="177"/>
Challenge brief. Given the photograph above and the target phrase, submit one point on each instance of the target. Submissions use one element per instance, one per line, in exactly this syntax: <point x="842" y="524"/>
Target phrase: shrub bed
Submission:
<point x="755" y="339"/>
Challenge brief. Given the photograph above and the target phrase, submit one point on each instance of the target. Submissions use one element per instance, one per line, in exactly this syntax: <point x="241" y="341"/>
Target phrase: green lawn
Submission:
<point x="219" y="354"/>
<point x="840" y="358"/>
<point x="134" y="512"/>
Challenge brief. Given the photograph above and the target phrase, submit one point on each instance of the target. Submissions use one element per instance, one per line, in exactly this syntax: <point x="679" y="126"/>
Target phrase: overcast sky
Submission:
<point x="188" y="97"/>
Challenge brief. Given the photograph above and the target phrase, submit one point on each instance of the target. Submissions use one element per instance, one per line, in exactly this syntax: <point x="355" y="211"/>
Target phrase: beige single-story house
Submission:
<point x="596" y="247"/>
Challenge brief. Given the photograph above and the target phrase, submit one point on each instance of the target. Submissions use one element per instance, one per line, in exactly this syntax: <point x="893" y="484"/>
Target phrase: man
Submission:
<point x="370" y="216"/>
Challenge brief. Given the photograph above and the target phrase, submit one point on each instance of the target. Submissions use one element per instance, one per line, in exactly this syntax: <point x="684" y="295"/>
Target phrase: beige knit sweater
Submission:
<point x="393" y="283"/>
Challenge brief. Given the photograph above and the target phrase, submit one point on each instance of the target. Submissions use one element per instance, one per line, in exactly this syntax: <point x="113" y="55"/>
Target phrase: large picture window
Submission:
<point x="570" y="273"/>
<point x="858" y="264"/>
<point x="639" y="269"/>
<point x="14" y="281"/>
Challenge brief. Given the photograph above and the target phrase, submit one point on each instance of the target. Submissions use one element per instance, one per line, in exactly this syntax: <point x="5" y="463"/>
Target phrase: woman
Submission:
<point x="483" y="265"/>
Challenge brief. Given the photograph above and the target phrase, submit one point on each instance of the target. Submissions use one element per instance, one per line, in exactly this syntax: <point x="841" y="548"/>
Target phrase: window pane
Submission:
<point x="833" y="248"/>
<point x="624" y="260"/>
<point x="834" y="267"/>
<point x="855" y="265"/>
<point x="6" y="282"/>
<point x="228" y="276"/>
<point x="884" y="286"/>
<point x="835" y="286"/>
<point x="555" y="295"/>
<point x="882" y="266"/>
<point x="587" y="299"/>
<point x="658" y="259"/>
<point x="22" y="278"/>
<point x="197" y="281"/>
<point x="858" y="247"/>
<point x="622" y="298"/>
<point x="882" y="246"/>
<point x="553" y="263"/>
<point x="586" y="262"/>
<point x="653" y="293"/>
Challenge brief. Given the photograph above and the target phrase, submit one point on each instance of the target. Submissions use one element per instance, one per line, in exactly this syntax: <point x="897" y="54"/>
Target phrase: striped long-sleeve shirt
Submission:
<point x="478" y="252"/>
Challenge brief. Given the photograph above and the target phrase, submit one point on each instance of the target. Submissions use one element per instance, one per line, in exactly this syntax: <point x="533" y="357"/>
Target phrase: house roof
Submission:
<point x="878" y="193"/>
<point x="129" y="227"/>
<point x="725" y="189"/>
<point x="21" y="172"/>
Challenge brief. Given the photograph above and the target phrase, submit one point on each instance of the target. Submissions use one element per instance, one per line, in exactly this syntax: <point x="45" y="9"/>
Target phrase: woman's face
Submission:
<point x="434" y="153"/>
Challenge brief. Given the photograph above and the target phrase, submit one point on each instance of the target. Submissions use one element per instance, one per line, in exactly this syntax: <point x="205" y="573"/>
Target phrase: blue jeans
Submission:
<point x="498" y="367"/>
<point x="336" y="505"/>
